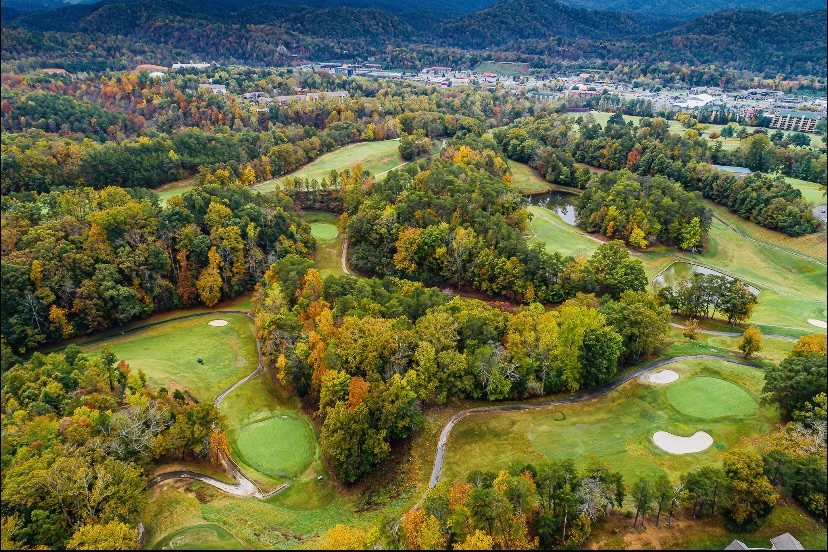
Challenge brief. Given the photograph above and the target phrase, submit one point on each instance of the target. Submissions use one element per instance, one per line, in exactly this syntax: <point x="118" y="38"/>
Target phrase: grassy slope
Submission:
<point x="503" y="68"/>
<point x="328" y="252"/>
<point x="167" y="353"/>
<point x="810" y="190"/>
<point x="617" y="427"/>
<point x="376" y="157"/>
<point x="566" y="242"/>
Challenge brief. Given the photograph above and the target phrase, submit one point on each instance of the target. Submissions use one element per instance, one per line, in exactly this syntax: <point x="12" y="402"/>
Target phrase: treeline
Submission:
<point x="703" y="295"/>
<point x="795" y="455"/>
<point x="80" y="261"/>
<point x="553" y="145"/>
<point x="372" y="353"/>
<point x="80" y="435"/>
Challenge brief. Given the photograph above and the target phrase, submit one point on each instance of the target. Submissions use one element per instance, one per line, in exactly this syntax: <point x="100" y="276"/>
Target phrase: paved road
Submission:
<point x="735" y="334"/>
<point x="437" y="469"/>
<point x="244" y="486"/>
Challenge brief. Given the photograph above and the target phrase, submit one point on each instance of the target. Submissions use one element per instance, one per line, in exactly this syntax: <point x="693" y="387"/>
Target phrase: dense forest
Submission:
<point x="80" y="435"/>
<point x="125" y="130"/>
<point x="553" y="144"/>
<point x="80" y="261"/>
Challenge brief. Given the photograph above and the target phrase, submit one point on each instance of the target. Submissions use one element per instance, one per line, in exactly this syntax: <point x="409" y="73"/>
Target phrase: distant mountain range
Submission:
<point x="690" y="9"/>
<point x="684" y="10"/>
<point x="249" y="31"/>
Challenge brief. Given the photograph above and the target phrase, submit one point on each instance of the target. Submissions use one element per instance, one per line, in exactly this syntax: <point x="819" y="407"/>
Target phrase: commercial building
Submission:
<point x="801" y="121"/>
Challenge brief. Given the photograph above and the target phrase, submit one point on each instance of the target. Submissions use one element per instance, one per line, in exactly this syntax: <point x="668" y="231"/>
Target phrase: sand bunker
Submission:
<point x="665" y="376"/>
<point x="676" y="444"/>
<point x="817" y="323"/>
<point x="218" y="322"/>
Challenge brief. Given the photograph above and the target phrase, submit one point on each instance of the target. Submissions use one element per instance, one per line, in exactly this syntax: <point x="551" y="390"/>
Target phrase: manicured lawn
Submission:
<point x="704" y="397"/>
<point x="376" y="157"/>
<point x="566" y="242"/>
<point x="328" y="252"/>
<point x="810" y="190"/>
<point x="812" y="245"/>
<point x="506" y="68"/>
<point x="616" y="427"/>
<point x="280" y="446"/>
<point x="167" y="353"/>
<point x="171" y="189"/>
<point x="206" y="536"/>
<point x="323" y="231"/>
<point x="767" y="266"/>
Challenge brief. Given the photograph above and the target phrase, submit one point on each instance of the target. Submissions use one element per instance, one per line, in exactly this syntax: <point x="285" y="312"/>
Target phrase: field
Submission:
<point x="810" y="190"/>
<point x="617" y="427"/>
<point x="200" y="537"/>
<point x="506" y="68"/>
<point x="559" y="237"/>
<point x="328" y="251"/>
<point x="376" y="157"/>
<point x="168" y="353"/>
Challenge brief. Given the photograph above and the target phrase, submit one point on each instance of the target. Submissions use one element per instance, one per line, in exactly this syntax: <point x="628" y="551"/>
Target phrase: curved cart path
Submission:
<point x="735" y="334"/>
<point x="244" y="486"/>
<point x="437" y="470"/>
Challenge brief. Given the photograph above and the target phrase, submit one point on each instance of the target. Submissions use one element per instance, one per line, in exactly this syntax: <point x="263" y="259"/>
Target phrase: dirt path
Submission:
<point x="437" y="469"/>
<point x="244" y="486"/>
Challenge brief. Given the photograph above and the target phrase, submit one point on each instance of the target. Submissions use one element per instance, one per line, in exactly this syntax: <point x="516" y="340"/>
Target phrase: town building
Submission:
<point x="214" y="88"/>
<point x="785" y="541"/>
<point x="802" y="121"/>
<point x="190" y="65"/>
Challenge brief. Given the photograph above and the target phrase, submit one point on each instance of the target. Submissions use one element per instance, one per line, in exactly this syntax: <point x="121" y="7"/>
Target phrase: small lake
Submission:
<point x="562" y="203"/>
<point x="679" y="270"/>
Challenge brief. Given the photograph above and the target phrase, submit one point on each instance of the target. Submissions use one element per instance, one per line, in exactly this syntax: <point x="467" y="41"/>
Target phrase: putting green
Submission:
<point x="280" y="446"/>
<point x="710" y="398"/>
<point x="324" y="231"/>
<point x="206" y="536"/>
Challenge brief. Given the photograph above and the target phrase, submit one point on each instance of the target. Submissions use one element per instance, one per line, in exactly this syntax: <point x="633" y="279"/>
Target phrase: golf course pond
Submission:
<point x="561" y="203"/>
<point x="680" y="269"/>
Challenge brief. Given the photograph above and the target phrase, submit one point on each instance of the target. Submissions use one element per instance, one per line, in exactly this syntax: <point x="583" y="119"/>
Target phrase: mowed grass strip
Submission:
<point x="812" y="245"/>
<point x="376" y="157"/>
<point x="557" y="239"/>
<point x="328" y="252"/>
<point x="168" y="353"/>
<point x="616" y="427"/>
<point x="704" y="397"/>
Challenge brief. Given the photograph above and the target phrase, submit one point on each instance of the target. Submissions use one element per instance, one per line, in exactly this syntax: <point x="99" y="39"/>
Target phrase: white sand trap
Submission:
<point x="218" y="322"/>
<point x="676" y="444"/>
<point x="817" y="323"/>
<point x="665" y="376"/>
